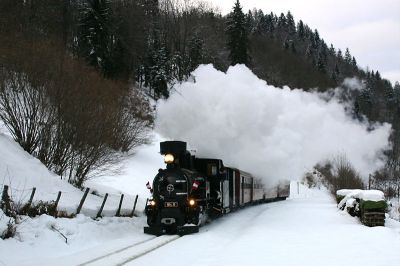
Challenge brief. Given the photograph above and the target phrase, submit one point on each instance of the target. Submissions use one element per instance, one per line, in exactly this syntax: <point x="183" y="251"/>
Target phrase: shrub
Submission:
<point x="10" y="231"/>
<point x="340" y="174"/>
<point x="39" y="208"/>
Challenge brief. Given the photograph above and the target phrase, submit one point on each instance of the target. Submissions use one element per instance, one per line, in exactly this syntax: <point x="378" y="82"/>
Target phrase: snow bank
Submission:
<point x="274" y="133"/>
<point x="40" y="238"/>
<point x="345" y="192"/>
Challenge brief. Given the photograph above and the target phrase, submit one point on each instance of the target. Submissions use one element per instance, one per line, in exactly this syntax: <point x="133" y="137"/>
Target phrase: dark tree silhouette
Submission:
<point x="237" y="36"/>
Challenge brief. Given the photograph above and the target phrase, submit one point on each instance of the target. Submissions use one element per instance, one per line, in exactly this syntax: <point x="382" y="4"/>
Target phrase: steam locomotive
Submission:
<point x="190" y="191"/>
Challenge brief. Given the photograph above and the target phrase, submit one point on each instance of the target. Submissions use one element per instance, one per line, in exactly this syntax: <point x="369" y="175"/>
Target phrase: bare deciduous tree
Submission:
<point x="339" y="173"/>
<point x="66" y="114"/>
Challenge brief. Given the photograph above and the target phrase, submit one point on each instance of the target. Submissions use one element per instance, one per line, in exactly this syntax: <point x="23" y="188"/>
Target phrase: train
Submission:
<point x="191" y="191"/>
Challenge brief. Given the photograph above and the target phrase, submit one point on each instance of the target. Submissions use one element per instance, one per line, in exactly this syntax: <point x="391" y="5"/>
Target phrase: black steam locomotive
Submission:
<point x="192" y="190"/>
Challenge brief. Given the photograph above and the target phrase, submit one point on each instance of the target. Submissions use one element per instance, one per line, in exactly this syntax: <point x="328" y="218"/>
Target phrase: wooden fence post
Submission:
<point x="102" y="206"/>
<point x="31" y="197"/>
<point x="56" y="203"/>
<point x="5" y="201"/>
<point x="4" y="195"/>
<point x="82" y="201"/>
<point x="119" y="207"/>
<point x="134" y="206"/>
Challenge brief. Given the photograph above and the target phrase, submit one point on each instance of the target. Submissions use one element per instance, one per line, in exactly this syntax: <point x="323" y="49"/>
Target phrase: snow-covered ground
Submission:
<point x="306" y="230"/>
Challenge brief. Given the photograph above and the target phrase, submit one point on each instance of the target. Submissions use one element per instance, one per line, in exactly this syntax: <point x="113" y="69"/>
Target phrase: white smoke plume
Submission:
<point x="273" y="133"/>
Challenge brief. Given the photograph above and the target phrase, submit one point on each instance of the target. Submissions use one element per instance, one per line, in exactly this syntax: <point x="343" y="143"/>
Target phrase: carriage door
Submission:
<point x="237" y="187"/>
<point x="225" y="193"/>
<point x="231" y="188"/>
<point x="242" y="186"/>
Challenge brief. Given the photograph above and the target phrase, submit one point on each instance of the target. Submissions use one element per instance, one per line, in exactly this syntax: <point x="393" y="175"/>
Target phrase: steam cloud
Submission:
<point x="270" y="132"/>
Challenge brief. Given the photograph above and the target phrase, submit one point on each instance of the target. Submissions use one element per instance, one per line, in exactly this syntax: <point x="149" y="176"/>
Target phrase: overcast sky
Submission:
<point x="369" y="28"/>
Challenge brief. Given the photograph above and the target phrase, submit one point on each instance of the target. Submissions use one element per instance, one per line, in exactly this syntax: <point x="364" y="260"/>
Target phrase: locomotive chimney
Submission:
<point x="175" y="154"/>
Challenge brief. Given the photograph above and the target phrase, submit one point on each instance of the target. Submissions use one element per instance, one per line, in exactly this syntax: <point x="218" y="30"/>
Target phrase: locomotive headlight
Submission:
<point x="169" y="158"/>
<point x="152" y="203"/>
<point x="192" y="202"/>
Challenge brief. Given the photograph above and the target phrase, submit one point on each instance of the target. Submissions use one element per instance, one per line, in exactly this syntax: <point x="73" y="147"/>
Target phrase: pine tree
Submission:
<point x="336" y="73"/>
<point x="317" y="40"/>
<point x="196" y="53"/>
<point x="250" y="22"/>
<point x="237" y="36"/>
<point x="282" y="22"/>
<point x="155" y="72"/>
<point x="300" y="30"/>
<point x="321" y="64"/>
<point x="262" y="26"/>
<point x="269" y="21"/>
<point x="94" y="37"/>
<point x="354" y="62"/>
<point x="332" y="50"/>
<point x="291" y="27"/>
<point x="347" y="56"/>
<point x="377" y="75"/>
<point x="396" y="91"/>
<point x="339" y="54"/>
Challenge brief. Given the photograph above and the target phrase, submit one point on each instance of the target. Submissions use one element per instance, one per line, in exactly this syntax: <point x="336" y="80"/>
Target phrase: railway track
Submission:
<point x="131" y="252"/>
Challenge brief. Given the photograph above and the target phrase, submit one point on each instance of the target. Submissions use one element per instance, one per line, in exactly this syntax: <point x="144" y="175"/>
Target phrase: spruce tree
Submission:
<point x="332" y="50"/>
<point x="282" y="22"/>
<point x="237" y="36"/>
<point x="291" y="27"/>
<point x="94" y="35"/>
<point x="354" y="62"/>
<point x="321" y="63"/>
<point x="270" y="27"/>
<point x="396" y="91"/>
<point x="339" y="54"/>
<point x="196" y="53"/>
<point x="300" y="30"/>
<point x="347" y="56"/>
<point x="155" y="72"/>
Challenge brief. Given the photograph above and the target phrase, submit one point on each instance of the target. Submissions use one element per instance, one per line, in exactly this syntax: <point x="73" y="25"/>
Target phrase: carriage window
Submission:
<point x="211" y="169"/>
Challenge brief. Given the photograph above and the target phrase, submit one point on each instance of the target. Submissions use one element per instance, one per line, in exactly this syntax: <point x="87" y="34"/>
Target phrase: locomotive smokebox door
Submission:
<point x="175" y="148"/>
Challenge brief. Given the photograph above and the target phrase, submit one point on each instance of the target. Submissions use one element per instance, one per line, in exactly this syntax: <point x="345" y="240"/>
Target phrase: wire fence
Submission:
<point x="22" y="200"/>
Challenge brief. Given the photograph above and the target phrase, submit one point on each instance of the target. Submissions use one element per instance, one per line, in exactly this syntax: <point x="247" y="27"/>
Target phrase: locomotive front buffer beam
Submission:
<point x="180" y="230"/>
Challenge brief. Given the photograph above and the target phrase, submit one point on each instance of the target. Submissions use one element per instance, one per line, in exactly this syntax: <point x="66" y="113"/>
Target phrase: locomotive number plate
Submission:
<point x="171" y="204"/>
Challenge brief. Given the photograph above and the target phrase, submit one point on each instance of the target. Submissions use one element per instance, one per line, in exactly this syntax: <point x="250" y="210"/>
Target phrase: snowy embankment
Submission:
<point x="21" y="172"/>
<point x="38" y="238"/>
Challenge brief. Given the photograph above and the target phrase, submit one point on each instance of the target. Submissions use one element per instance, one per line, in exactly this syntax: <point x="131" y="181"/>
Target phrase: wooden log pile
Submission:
<point x="369" y="205"/>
